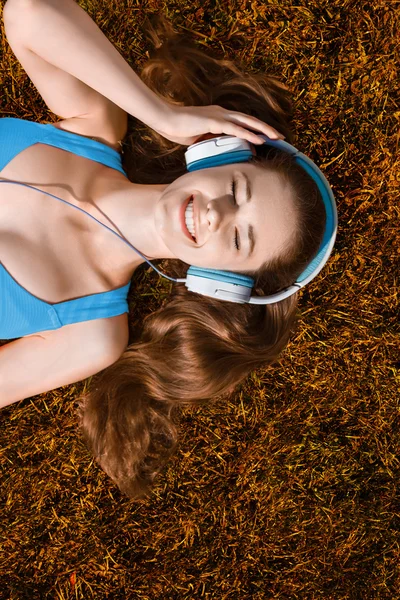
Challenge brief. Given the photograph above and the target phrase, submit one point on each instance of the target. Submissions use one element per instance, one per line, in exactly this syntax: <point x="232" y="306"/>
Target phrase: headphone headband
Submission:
<point x="328" y="199"/>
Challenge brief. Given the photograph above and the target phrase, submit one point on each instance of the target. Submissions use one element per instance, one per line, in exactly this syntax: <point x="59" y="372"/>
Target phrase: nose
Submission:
<point x="215" y="214"/>
<point x="213" y="218"/>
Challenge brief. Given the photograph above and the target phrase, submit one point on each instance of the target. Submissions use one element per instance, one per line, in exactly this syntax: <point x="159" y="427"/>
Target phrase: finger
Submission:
<point x="256" y="124"/>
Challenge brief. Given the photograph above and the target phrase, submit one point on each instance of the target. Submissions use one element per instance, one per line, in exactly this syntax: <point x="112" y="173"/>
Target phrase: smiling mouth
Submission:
<point x="188" y="221"/>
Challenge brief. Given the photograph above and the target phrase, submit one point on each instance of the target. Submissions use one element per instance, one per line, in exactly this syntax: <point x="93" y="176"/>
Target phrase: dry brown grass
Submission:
<point x="290" y="489"/>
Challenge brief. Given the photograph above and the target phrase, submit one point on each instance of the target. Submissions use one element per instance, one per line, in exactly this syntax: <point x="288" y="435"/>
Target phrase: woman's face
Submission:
<point x="231" y="235"/>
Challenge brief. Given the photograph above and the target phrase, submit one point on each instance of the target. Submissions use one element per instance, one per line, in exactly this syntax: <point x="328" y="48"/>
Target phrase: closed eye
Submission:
<point x="233" y="188"/>
<point x="236" y="239"/>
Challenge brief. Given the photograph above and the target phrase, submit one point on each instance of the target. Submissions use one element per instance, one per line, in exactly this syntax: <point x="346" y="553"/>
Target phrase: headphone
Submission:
<point x="232" y="286"/>
<point x="225" y="285"/>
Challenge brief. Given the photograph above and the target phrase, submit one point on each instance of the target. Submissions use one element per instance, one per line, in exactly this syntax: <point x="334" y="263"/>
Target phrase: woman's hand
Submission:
<point x="185" y="124"/>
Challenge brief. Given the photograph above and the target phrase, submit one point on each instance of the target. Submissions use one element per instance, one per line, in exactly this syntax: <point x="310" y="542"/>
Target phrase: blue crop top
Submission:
<point x="22" y="313"/>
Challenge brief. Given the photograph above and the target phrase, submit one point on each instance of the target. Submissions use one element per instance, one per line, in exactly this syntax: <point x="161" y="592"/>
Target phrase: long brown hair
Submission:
<point x="194" y="349"/>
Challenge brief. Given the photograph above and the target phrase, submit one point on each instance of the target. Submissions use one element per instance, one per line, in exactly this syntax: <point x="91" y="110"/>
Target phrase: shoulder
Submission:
<point x="108" y="337"/>
<point x="108" y="126"/>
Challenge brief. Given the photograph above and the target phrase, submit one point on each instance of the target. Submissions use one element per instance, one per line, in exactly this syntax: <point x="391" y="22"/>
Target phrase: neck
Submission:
<point x="130" y="210"/>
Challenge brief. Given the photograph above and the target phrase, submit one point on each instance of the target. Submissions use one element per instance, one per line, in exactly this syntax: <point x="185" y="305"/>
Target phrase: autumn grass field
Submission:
<point x="290" y="489"/>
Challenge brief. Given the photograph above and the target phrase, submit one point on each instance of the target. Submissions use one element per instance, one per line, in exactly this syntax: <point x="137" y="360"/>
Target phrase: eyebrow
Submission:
<point x="251" y="229"/>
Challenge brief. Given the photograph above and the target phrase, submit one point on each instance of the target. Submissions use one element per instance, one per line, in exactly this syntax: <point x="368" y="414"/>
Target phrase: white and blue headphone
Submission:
<point x="234" y="287"/>
<point x="225" y="285"/>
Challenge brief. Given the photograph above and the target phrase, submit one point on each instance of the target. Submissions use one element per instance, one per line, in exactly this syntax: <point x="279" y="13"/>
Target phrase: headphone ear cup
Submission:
<point x="223" y="285"/>
<point x="222" y="276"/>
<point x="214" y="151"/>
<point x="219" y="160"/>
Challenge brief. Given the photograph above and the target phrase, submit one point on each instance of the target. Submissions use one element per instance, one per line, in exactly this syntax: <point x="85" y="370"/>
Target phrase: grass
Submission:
<point x="290" y="489"/>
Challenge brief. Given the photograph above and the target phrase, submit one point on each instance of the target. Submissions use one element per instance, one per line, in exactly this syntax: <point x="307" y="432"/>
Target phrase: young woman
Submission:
<point x="264" y="218"/>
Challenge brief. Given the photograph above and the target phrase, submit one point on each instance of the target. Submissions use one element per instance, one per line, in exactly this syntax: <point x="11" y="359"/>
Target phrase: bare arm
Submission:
<point x="37" y="364"/>
<point x="63" y="34"/>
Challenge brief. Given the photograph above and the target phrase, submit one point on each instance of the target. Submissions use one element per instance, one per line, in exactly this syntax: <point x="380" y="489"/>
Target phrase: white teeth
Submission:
<point x="189" y="218"/>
